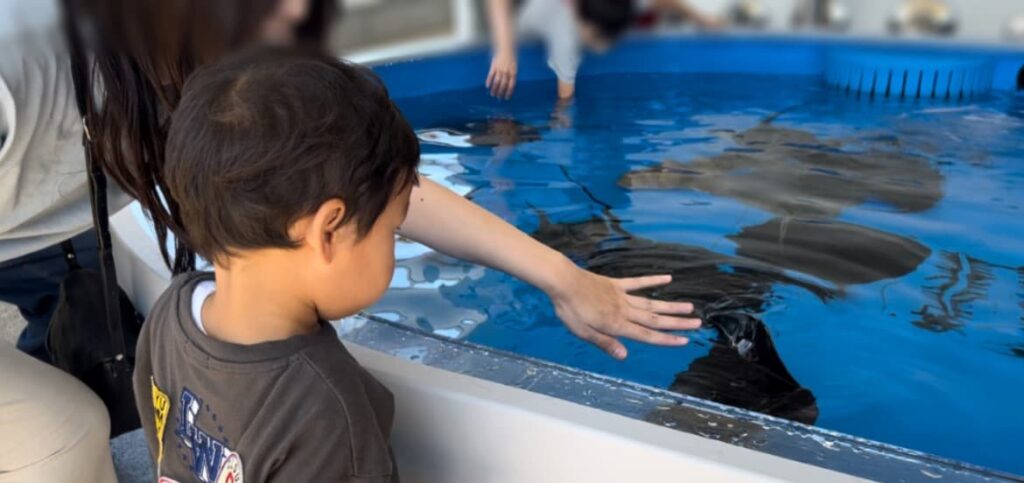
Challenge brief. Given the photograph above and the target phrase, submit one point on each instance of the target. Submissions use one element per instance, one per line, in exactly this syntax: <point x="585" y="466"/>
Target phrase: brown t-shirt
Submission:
<point x="300" y="409"/>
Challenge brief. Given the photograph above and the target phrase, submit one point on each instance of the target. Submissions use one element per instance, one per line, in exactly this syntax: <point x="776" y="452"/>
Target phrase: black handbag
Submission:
<point x="94" y="329"/>
<point x="94" y="346"/>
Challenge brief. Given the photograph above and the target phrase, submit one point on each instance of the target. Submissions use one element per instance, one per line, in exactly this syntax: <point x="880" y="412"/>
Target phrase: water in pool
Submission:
<point x="859" y="264"/>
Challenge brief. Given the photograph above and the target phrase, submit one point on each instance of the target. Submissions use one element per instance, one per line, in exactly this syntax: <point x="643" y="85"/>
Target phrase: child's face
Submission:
<point x="361" y="269"/>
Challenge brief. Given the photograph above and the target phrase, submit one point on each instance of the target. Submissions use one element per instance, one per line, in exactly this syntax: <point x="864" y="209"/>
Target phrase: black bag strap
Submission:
<point x="97" y="180"/>
<point x="70" y="257"/>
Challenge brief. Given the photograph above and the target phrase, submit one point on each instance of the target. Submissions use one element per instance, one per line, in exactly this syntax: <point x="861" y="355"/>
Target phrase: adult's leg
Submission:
<point x="52" y="427"/>
<point x="32" y="283"/>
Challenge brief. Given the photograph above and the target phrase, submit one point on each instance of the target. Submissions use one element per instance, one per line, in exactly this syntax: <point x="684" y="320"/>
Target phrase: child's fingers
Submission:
<point x="490" y="78"/>
<point x="638" y="283"/>
<point x="500" y="85"/>
<point x="659" y="306"/>
<point x="655" y="321"/>
<point x="511" y="86"/>
<point x="606" y="343"/>
<point x="640" y="333"/>
<point x="496" y="86"/>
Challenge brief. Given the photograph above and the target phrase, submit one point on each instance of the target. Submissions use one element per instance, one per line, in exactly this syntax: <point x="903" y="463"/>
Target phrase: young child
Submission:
<point x="293" y="173"/>
<point x="566" y="27"/>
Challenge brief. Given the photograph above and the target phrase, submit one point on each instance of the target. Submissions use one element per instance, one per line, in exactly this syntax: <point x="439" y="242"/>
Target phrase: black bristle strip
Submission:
<point x="949" y="85"/>
<point x="963" y="83"/>
<point x="903" y="88"/>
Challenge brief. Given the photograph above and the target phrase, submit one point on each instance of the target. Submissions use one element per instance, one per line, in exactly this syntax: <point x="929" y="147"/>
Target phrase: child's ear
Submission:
<point x="325" y="228"/>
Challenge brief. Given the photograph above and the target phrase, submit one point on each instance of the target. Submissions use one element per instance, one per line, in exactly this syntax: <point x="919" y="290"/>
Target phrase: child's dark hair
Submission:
<point x="264" y="138"/>
<point x="610" y="17"/>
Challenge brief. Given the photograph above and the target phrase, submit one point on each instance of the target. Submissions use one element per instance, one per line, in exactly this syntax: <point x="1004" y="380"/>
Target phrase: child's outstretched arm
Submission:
<point x="501" y="79"/>
<point x="595" y="308"/>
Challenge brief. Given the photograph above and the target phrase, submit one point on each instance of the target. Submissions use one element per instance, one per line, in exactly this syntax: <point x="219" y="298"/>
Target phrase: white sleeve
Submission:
<point x="554" y="22"/>
<point x="4" y="100"/>
<point x="564" y="53"/>
<point x="44" y="187"/>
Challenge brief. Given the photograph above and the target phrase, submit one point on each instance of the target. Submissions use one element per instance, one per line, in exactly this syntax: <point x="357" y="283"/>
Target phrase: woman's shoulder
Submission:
<point x="32" y="41"/>
<point x="33" y="60"/>
<point x="28" y="19"/>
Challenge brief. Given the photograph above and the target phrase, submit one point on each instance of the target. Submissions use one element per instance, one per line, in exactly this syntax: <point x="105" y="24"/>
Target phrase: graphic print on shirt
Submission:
<point x="209" y="458"/>
<point x="161" y="408"/>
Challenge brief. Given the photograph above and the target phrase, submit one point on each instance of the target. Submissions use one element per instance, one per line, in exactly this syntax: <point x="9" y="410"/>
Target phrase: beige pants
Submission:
<point x="52" y="427"/>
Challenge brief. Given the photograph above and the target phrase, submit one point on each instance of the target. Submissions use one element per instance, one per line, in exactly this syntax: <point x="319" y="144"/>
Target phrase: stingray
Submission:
<point x="841" y="253"/>
<point x="794" y="173"/>
<point x="808" y="181"/>
<point x="743" y="367"/>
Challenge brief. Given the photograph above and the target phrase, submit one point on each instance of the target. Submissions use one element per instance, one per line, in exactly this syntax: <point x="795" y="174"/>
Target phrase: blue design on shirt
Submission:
<point x="207" y="452"/>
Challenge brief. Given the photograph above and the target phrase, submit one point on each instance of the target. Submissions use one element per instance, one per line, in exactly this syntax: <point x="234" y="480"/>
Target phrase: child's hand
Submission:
<point x="501" y="80"/>
<point x="599" y="309"/>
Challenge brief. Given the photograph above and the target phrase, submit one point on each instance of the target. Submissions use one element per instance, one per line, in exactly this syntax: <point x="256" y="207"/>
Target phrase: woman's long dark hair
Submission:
<point x="141" y="53"/>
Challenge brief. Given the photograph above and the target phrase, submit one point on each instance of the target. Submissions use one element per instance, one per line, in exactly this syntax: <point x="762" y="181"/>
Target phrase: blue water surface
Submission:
<point x="929" y="355"/>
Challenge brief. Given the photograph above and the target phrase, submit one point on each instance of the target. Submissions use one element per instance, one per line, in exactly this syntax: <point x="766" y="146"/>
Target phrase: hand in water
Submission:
<point x="501" y="80"/>
<point x="599" y="309"/>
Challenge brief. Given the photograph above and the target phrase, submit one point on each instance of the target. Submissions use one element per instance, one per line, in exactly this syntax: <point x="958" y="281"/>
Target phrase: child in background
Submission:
<point x="293" y="172"/>
<point x="565" y="27"/>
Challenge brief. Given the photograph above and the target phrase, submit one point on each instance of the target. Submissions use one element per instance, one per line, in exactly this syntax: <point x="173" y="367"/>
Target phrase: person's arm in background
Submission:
<point x="594" y="308"/>
<point x="501" y="79"/>
<point x="566" y="90"/>
<point x="683" y="9"/>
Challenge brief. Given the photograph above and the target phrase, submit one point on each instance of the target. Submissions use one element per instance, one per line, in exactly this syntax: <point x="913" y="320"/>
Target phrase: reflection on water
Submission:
<point x="963" y="281"/>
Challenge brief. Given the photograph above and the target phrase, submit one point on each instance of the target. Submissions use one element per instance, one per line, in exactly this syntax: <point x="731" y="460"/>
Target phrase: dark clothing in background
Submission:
<point x="32" y="283"/>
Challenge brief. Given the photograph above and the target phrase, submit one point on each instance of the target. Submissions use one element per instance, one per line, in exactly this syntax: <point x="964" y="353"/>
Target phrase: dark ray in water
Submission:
<point x="807" y="181"/>
<point x="757" y="378"/>
<point x="841" y="253"/>
<point x="743" y="368"/>
<point x="794" y="173"/>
